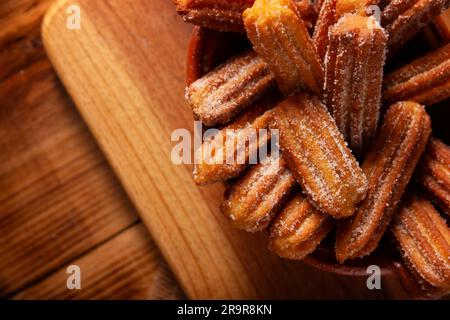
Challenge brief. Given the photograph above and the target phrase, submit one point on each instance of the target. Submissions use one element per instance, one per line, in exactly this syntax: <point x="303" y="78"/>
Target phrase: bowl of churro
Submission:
<point x="326" y="121"/>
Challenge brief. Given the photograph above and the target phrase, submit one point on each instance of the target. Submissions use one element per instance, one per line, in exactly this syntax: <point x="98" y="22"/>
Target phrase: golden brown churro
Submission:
<point x="327" y="18"/>
<point x="226" y="15"/>
<point x="404" y="18"/>
<point x="331" y="11"/>
<point x="388" y="167"/>
<point x="317" y="155"/>
<point x="279" y="35"/>
<point x="354" y="72"/>
<point x="425" y="80"/>
<point x="252" y="201"/>
<point x="219" y="95"/>
<point x="424" y="241"/>
<point x="308" y="13"/>
<point x="434" y="173"/>
<point x="211" y="158"/>
<point x="222" y="15"/>
<point x="299" y="229"/>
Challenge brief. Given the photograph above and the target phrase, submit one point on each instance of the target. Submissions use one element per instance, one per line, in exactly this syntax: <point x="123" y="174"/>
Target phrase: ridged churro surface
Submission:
<point x="404" y="18"/>
<point x="434" y="173"/>
<point x="330" y="13"/>
<point x="354" y="72"/>
<point x="226" y="15"/>
<point x="425" y="80"/>
<point x="281" y="38"/>
<point x="317" y="155"/>
<point x="238" y="142"/>
<point x="219" y="95"/>
<point x="388" y="166"/>
<point x="299" y="229"/>
<point x="252" y="201"/>
<point x="308" y="12"/>
<point x="222" y="15"/>
<point x="423" y="238"/>
<point x="327" y="18"/>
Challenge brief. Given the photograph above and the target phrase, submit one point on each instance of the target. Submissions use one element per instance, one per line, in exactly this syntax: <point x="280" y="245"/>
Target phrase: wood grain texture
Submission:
<point x="55" y="187"/>
<point x="125" y="71"/>
<point x="58" y="197"/>
<point x="20" y="40"/>
<point x="126" y="267"/>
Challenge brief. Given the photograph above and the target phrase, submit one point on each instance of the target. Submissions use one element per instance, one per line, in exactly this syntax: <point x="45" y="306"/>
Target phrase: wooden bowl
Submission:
<point x="207" y="49"/>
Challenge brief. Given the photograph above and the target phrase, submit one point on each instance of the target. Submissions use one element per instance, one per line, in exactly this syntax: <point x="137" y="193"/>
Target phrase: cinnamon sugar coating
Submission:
<point x="388" y="166"/>
<point x="330" y="13"/>
<point x="233" y="142"/>
<point x="354" y="74"/>
<point x="425" y="80"/>
<point x="404" y="18"/>
<point x="434" y="173"/>
<point x="222" y="93"/>
<point x="252" y="201"/>
<point x="281" y="38"/>
<point x="423" y="238"/>
<point x="317" y="155"/>
<point x="299" y="229"/>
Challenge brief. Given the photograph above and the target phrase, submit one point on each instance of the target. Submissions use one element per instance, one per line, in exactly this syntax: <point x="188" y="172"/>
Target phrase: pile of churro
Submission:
<point x="357" y="158"/>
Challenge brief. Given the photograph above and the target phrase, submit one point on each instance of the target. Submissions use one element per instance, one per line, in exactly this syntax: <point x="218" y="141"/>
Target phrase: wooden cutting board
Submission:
<point x="124" y="69"/>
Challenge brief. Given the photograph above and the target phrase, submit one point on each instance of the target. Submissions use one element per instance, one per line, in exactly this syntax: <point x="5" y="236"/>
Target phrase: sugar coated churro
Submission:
<point x="354" y="72"/>
<point x="211" y="158"/>
<point x="252" y="201"/>
<point x="279" y="35"/>
<point x="388" y="166"/>
<point x="226" y="15"/>
<point x="331" y="11"/>
<point x="434" y="173"/>
<point x="317" y="155"/>
<point x="424" y="241"/>
<point x="404" y="18"/>
<point x="299" y="229"/>
<point x="425" y="80"/>
<point x="222" y="15"/>
<point x="219" y="95"/>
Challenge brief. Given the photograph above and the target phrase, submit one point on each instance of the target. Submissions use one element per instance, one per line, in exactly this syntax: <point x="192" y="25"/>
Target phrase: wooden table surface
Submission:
<point x="60" y="202"/>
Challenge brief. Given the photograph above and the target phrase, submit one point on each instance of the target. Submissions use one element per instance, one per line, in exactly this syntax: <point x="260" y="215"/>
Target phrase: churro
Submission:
<point x="222" y="93"/>
<point x="280" y="36"/>
<point x="299" y="229"/>
<point x="317" y="155"/>
<point x="404" y="18"/>
<point x="239" y="141"/>
<point x="354" y="73"/>
<point x="222" y="15"/>
<point x="226" y="15"/>
<point x="330" y="13"/>
<point x="425" y="80"/>
<point x="252" y="201"/>
<point x="388" y="166"/>
<point x="434" y="173"/>
<point x="424" y="241"/>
